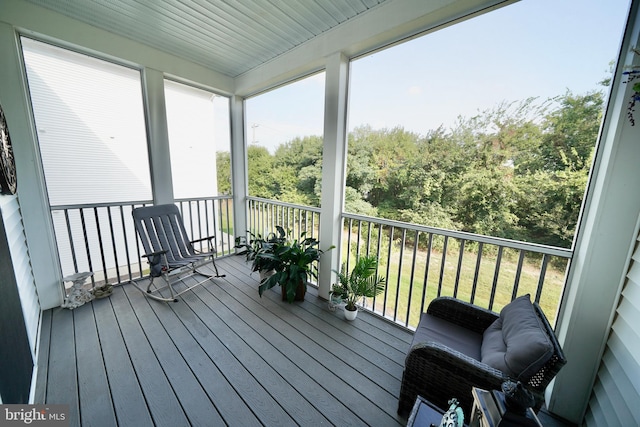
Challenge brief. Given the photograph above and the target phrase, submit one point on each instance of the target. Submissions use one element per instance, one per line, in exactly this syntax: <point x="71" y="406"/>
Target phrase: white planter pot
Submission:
<point x="350" y="315"/>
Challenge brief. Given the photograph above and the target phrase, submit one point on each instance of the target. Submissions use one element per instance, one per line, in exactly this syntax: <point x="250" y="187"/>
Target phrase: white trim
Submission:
<point x="31" y="187"/>
<point x="602" y="246"/>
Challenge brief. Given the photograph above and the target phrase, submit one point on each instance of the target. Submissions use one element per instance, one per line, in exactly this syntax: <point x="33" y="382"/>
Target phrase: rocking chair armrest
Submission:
<point x="203" y="239"/>
<point x="210" y="244"/>
<point x="149" y="255"/>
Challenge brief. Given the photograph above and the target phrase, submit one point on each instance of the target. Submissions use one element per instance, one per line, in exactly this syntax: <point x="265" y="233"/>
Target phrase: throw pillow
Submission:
<point x="526" y="345"/>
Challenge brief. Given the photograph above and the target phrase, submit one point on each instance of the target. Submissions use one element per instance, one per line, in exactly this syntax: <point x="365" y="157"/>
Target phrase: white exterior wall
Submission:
<point x="12" y="216"/>
<point x="616" y="392"/>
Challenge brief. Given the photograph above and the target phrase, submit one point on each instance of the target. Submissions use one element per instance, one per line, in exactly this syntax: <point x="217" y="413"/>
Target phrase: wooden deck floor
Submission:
<point x="220" y="356"/>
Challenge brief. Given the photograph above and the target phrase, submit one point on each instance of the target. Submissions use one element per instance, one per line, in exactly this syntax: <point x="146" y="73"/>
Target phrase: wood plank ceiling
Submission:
<point x="229" y="37"/>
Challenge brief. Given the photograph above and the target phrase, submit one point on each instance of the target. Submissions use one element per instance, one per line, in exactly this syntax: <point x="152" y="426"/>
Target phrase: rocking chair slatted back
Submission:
<point x="169" y="251"/>
<point x="161" y="228"/>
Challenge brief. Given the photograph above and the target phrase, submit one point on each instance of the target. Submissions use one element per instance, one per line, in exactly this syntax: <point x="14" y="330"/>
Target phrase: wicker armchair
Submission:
<point x="438" y="372"/>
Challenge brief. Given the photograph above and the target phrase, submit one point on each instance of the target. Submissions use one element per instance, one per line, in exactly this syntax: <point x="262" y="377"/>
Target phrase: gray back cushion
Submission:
<point x="516" y="343"/>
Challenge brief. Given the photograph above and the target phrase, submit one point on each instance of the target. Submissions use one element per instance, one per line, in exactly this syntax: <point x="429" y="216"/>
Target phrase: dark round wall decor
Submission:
<point x="8" y="181"/>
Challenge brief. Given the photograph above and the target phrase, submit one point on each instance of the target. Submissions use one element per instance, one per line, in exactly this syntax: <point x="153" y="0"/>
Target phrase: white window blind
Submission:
<point x="90" y="123"/>
<point x="198" y="124"/>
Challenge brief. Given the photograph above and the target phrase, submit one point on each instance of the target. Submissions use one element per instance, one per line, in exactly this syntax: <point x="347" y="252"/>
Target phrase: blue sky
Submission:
<point x="533" y="48"/>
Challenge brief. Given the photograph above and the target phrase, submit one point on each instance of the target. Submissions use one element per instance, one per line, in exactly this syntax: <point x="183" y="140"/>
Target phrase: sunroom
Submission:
<point x="240" y="55"/>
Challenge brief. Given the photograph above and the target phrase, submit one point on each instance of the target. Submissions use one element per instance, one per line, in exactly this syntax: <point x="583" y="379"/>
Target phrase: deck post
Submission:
<point x="333" y="167"/>
<point x="158" y="136"/>
<point x="239" y="172"/>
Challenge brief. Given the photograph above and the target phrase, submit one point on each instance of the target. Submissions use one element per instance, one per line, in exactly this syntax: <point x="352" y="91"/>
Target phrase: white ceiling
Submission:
<point x="231" y="37"/>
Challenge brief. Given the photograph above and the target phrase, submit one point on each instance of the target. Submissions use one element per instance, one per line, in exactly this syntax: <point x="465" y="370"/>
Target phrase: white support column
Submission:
<point x="333" y="167"/>
<point x="158" y="136"/>
<point x="31" y="189"/>
<point x="603" y="245"/>
<point x="239" y="174"/>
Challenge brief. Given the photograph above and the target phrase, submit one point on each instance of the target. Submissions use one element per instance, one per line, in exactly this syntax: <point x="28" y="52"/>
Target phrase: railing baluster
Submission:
<point x="543" y="273"/>
<point x="98" y="230"/>
<point x="379" y="243"/>
<point x="369" y="238"/>
<point x="349" y="231"/>
<point x="358" y="240"/>
<point x="426" y="272"/>
<point x="113" y="245"/>
<point x="443" y="263"/>
<point x="399" y="282"/>
<point x="411" y="276"/>
<point x="476" y="273"/>
<point x="86" y="245"/>
<point x="516" y="281"/>
<point x="71" y="242"/>
<point x="459" y="269"/>
<point x="384" y="306"/>
<point x="496" y="275"/>
<point x="126" y="242"/>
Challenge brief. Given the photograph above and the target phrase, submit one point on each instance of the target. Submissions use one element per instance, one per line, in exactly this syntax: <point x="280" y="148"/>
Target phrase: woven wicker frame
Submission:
<point x="438" y="373"/>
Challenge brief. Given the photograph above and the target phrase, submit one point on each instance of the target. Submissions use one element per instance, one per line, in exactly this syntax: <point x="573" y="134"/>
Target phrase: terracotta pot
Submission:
<point x="301" y="290"/>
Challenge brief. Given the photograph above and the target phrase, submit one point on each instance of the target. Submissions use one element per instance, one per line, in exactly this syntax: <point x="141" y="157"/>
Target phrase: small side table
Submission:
<point x="489" y="410"/>
<point x="424" y="413"/>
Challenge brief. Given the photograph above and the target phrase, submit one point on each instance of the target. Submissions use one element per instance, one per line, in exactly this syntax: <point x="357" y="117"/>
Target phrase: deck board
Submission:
<point x="95" y="403"/>
<point x="223" y="355"/>
<point x="193" y="397"/>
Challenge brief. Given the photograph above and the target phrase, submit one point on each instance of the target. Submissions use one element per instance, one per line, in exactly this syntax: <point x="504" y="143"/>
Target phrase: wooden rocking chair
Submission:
<point x="171" y="255"/>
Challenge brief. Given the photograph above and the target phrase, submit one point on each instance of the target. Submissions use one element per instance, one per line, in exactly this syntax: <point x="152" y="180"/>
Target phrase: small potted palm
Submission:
<point x="361" y="282"/>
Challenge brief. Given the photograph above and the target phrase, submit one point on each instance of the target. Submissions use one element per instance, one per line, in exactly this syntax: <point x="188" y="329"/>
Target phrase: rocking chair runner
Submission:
<point x="168" y="250"/>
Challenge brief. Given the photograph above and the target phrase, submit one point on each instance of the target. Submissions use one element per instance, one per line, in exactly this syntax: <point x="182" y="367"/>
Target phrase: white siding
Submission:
<point x="616" y="395"/>
<point x="10" y="210"/>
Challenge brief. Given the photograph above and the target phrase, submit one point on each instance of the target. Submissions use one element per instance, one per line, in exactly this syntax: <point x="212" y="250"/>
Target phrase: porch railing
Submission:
<point x="265" y="214"/>
<point x="101" y="237"/>
<point x="421" y="263"/>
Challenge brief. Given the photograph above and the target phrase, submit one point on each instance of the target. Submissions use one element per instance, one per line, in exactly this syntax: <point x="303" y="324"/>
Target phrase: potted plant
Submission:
<point x="257" y="244"/>
<point x="337" y="295"/>
<point x="292" y="262"/>
<point x="361" y="282"/>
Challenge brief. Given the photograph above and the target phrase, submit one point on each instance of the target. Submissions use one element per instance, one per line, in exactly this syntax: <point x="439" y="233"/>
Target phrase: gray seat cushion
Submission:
<point x="516" y="343"/>
<point x="456" y="337"/>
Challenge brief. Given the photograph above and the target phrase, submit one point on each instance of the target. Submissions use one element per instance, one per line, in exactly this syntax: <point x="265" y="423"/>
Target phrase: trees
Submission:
<point x="518" y="170"/>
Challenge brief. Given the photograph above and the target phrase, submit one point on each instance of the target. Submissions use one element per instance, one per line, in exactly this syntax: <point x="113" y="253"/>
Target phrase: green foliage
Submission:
<point x="223" y="165"/>
<point x="361" y="282"/>
<point x="517" y="170"/>
<point x="291" y="260"/>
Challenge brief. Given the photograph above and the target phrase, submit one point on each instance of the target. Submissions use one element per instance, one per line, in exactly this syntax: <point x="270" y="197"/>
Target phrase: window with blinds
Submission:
<point x="90" y="124"/>
<point x="198" y="122"/>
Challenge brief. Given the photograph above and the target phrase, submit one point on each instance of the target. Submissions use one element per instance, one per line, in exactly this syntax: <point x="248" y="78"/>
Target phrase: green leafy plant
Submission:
<point x="635" y="96"/>
<point x="257" y="244"/>
<point x="361" y="282"/>
<point x="292" y="262"/>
